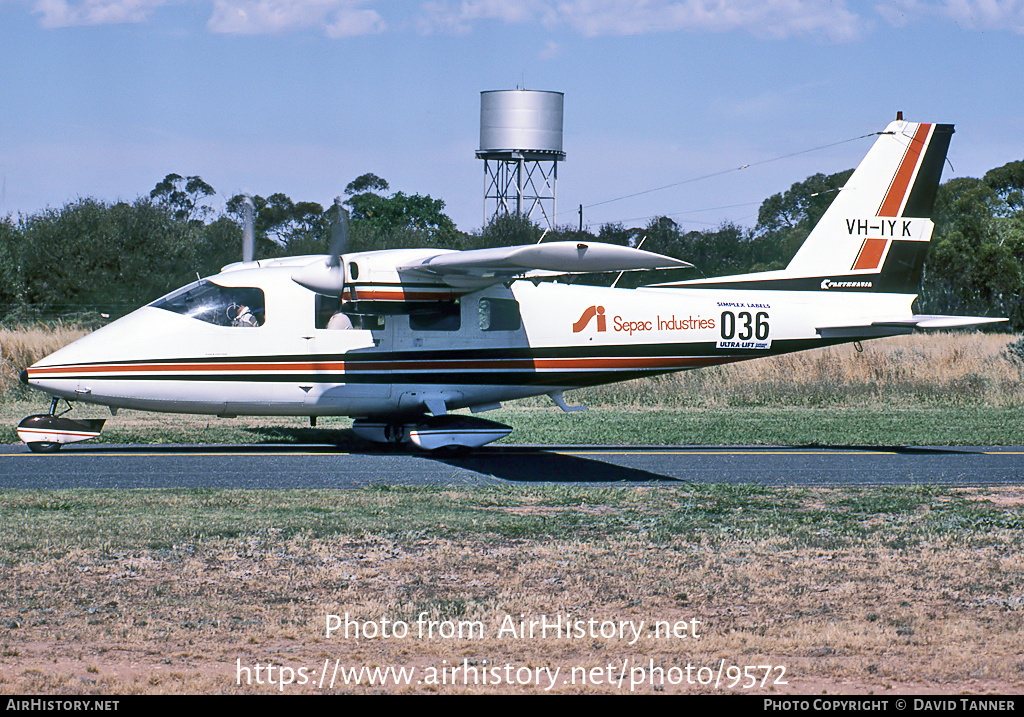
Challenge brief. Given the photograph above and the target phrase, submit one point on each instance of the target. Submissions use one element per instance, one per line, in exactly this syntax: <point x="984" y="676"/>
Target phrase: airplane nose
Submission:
<point x="24" y="376"/>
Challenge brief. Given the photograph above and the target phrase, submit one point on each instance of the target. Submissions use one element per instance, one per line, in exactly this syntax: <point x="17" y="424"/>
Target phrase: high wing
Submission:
<point x="481" y="267"/>
<point x="473" y="269"/>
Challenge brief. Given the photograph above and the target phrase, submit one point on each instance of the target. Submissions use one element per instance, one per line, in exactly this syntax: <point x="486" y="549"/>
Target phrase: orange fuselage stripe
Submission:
<point x="113" y="370"/>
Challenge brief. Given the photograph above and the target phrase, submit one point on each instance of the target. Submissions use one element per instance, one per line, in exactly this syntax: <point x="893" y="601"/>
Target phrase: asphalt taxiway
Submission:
<point x="273" y="467"/>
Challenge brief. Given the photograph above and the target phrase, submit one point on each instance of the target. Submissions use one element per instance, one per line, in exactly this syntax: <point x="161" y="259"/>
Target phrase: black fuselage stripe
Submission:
<point x="703" y="349"/>
<point x="502" y="378"/>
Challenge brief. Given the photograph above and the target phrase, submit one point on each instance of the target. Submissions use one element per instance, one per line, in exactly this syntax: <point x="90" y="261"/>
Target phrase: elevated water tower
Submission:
<point x="521" y="145"/>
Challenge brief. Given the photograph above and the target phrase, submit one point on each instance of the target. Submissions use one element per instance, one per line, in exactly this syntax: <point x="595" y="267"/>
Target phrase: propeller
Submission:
<point x="339" y="233"/>
<point x="248" y="235"/>
<point x="329" y="277"/>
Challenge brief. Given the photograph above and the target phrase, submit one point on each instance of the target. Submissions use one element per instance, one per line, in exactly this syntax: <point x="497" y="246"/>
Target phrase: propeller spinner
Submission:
<point x="329" y="277"/>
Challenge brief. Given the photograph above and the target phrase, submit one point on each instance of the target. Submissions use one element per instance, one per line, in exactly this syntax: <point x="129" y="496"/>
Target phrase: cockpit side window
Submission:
<point x="238" y="306"/>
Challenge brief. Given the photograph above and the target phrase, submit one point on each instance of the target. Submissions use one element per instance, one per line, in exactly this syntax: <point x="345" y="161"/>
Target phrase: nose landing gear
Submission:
<point x="47" y="432"/>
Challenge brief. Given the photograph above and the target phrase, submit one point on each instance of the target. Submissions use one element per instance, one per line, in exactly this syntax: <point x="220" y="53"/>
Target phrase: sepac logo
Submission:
<point x="587" y="315"/>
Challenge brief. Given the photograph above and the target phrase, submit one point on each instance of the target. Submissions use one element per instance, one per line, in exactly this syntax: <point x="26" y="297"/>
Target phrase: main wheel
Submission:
<point x="44" y="446"/>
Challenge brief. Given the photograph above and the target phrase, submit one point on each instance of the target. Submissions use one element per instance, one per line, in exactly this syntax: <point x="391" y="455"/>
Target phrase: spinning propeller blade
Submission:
<point x="339" y="233"/>
<point x="248" y="235"/>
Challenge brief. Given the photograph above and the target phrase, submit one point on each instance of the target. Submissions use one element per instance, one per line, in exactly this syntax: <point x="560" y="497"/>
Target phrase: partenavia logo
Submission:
<point x="587" y="315"/>
<point x="831" y="284"/>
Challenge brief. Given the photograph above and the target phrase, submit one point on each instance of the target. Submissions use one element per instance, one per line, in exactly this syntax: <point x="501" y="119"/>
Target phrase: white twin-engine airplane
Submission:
<point x="397" y="339"/>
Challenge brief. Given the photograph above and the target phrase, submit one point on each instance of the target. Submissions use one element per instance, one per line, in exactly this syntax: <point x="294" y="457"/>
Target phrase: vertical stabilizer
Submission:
<point x="874" y="236"/>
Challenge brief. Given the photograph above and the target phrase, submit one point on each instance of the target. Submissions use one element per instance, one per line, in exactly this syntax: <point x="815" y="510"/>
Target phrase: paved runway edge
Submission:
<point x="291" y="466"/>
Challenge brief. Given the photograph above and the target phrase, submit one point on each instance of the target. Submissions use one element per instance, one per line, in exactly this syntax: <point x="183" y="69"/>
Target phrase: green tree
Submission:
<point x="218" y="244"/>
<point x="92" y="256"/>
<point x="786" y="219"/>
<point x="183" y="197"/>
<point x="1008" y="184"/>
<point x="283" y="227"/>
<point x="398" y="220"/>
<point x="504" y="230"/>
<point x="973" y="264"/>
<point x="366" y="183"/>
<point x="615" y="233"/>
<point x="11" y="286"/>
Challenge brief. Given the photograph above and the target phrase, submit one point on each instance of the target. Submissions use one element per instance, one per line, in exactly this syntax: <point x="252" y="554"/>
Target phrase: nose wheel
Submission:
<point x="48" y="432"/>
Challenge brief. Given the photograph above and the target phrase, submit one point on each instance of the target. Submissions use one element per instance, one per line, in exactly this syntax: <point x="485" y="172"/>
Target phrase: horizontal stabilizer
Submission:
<point x="939" y="321"/>
<point x="890" y="327"/>
<point x="567" y="257"/>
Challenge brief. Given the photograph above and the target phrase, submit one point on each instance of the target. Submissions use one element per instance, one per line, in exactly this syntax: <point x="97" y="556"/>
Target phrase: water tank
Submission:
<point x="522" y="121"/>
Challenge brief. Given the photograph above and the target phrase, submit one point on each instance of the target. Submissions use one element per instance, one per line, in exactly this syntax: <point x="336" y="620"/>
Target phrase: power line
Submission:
<point x="692" y="211"/>
<point x="729" y="171"/>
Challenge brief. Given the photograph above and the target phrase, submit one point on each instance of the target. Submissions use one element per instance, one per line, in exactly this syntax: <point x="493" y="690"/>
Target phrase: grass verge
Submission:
<point x="850" y="591"/>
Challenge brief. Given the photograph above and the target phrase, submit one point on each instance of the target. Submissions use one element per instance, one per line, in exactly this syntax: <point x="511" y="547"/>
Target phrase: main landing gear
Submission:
<point x="47" y="432"/>
<point x="433" y="432"/>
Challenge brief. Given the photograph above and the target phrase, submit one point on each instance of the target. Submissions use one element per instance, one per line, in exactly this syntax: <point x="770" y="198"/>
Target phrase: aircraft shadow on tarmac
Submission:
<point x="539" y="464"/>
<point x="516" y="464"/>
<point x="535" y="465"/>
<point x="547" y="464"/>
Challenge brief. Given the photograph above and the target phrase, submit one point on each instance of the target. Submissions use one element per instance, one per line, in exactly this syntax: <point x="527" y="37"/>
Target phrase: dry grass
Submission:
<point x="958" y="368"/>
<point x="909" y="591"/>
<point x="22" y="347"/>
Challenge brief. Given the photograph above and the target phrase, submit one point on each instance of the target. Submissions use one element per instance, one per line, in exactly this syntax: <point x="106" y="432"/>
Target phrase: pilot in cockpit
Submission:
<point x="243" y="316"/>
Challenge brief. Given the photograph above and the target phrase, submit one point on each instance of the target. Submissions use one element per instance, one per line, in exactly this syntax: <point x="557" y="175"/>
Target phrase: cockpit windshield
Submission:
<point x="215" y="304"/>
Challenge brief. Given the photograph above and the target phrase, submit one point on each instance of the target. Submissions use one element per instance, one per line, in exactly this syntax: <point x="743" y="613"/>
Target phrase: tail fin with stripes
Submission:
<point x="874" y="236"/>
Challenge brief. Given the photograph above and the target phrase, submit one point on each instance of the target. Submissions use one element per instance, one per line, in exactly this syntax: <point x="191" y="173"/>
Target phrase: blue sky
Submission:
<point x="103" y="98"/>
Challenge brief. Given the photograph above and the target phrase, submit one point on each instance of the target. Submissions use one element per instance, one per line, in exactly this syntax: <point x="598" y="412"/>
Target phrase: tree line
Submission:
<point x="90" y="257"/>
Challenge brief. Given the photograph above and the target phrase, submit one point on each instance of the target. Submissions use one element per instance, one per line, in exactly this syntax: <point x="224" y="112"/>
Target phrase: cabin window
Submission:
<point x="445" y="316"/>
<point x="237" y="306"/>
<point x="499" y="315"/>
<point x="329" y="315"/>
